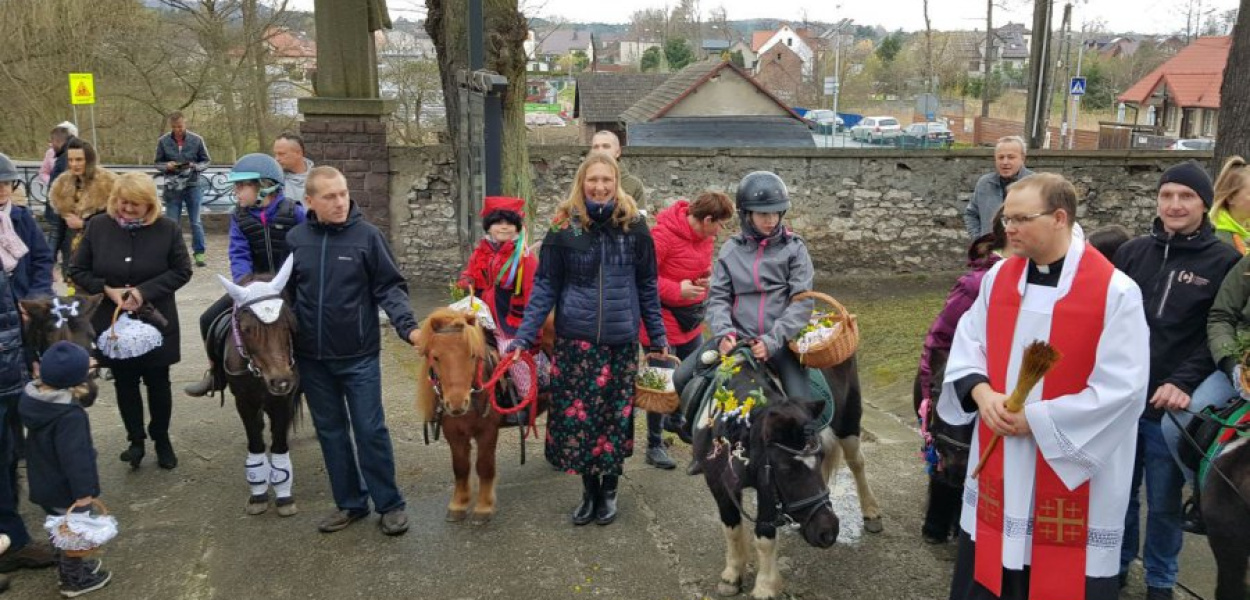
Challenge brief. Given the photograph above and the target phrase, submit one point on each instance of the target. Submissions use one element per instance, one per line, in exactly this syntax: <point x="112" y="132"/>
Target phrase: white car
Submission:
<point x="876" y="129"/>
<point x="1196" y="144"/>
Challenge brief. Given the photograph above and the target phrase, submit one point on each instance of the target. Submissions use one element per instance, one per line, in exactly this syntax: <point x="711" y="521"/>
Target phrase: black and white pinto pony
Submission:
<point x="785" y="451"/>
<point x="259" y="364"/>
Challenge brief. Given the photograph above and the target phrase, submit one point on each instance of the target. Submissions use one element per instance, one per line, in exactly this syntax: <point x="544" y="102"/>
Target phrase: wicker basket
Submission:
<point x="657" y="401"/>
<point x="833" y="351"/>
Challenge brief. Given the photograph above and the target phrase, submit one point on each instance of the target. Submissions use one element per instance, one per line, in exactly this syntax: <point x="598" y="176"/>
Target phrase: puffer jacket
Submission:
<point x="680" y="254"/>
<point x="1179" y="277"/>
<point x="752" y="284"/>
<point x="68" y="199"/>
<point x="601" y="281"/>
<point x="12" y="356"/>
<point x="937" y="344"/>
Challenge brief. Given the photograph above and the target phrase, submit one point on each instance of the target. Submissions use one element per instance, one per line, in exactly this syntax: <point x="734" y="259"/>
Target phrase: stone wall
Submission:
<point x="861" y="212"/>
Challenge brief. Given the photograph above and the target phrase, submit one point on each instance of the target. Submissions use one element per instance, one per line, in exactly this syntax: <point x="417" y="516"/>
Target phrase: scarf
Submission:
<point x="600" y="212"/>
<point x="129" y="224"/>
<point x="12" y="248"/>
<point x="1224" y="221"/>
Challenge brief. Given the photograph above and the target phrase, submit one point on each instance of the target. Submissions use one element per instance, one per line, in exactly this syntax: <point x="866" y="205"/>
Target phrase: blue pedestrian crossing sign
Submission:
<point x="1077" y="88"/>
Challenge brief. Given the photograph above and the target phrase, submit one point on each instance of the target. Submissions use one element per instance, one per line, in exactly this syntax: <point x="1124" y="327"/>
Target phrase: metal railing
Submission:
<point x="218" y="193"/>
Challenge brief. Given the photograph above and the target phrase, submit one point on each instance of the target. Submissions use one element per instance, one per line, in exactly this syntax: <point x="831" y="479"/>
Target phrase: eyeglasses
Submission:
<point x="1025" y="219"/>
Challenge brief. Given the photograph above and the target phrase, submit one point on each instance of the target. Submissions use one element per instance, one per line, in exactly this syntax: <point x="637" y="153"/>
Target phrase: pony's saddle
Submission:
<point x="697" y="387"/>
<point x="1212" y="430"/>
<point x="218" y="336"/>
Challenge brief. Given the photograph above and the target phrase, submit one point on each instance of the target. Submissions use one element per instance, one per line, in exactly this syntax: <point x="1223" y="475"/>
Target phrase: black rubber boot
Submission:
<point x="133" y="454"/>
<point x="165" y="456"/>
<point x="585" y="512"/>
<point x="605" y="513"/>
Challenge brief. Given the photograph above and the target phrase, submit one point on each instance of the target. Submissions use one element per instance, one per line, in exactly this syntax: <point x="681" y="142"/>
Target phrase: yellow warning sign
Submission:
<point x="81" y="88"/>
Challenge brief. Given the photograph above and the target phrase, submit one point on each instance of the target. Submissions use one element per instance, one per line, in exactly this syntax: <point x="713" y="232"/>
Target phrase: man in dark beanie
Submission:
<point x="60" y="458"/>
<point x="1179" y="267"/>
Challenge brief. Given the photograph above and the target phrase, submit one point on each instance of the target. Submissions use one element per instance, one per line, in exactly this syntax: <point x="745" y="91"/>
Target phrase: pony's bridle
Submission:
<point x="475" y="393"/>
<point x="807" y="507"/>
<point x="786" y="510"/>
<point x="238" y="337"/>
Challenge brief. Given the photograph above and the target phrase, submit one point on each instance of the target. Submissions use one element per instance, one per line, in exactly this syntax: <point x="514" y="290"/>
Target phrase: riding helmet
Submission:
<point x="762" y="191"/>
<point x="8" y="171"/>
<point x="254" y="167"/>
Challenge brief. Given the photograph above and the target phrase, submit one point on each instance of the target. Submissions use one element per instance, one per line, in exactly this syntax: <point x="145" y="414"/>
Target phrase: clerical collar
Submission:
<point x="1047" y="275"/>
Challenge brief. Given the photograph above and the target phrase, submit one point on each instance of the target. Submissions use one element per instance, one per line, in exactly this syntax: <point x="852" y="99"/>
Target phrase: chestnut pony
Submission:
<point x="455" y="361"/>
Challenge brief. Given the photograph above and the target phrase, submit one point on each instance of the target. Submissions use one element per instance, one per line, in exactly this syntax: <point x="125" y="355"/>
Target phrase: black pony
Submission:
<point x="1226" y="513"/>
<point x="753" y="436"/>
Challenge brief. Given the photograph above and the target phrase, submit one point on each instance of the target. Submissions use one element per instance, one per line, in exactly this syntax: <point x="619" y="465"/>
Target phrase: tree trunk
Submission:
<point x="254" y="38"/>
<point x="1233" y="133"/>
<point x="506" y="30"/>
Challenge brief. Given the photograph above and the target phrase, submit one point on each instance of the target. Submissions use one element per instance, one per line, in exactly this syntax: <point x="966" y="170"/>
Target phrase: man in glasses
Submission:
<point x="1179" y="267"/>
<point x="1044" y="517"/>
<point x="991" y="188"/>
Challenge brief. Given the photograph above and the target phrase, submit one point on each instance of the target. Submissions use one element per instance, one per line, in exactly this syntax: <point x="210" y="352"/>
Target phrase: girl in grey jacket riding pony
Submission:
<point x="756" y="274"/>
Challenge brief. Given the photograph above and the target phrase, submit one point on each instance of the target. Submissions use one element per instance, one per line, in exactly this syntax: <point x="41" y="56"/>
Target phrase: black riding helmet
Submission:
<point x="762" y="191"/>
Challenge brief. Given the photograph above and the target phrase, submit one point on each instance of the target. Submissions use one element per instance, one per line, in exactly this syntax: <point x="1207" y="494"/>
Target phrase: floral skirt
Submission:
<point x="590" y="427"/>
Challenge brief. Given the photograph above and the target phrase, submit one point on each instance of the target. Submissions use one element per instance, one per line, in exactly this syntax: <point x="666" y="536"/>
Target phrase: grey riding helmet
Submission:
<point x="256" y="167"/>
<point x="8" y="170"/>
<point x="764" y="192"/>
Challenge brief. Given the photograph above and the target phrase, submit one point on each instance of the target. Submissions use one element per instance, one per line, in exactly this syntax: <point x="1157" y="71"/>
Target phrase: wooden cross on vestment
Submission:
<point x="1060" y="522"/>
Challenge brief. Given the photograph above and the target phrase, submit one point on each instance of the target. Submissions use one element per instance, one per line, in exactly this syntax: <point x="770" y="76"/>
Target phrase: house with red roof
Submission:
<point x="1181" y="98"/>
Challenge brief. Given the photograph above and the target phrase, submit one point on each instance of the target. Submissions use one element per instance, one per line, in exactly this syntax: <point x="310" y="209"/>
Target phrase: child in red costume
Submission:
<point x="501" y="273"/>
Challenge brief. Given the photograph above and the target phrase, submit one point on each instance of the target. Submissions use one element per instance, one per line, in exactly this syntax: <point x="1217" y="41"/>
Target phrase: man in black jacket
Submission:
<point x="343" y="272"/>
<point x="1179" y="267"/>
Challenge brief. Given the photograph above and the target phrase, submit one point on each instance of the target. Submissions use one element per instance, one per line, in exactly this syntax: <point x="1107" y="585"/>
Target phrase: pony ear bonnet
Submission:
<point x="284" y="274"/>
<point x="238" y="294"/>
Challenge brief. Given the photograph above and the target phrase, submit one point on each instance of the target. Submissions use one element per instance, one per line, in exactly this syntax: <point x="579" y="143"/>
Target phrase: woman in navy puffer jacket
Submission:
<point x="597" y="270"/>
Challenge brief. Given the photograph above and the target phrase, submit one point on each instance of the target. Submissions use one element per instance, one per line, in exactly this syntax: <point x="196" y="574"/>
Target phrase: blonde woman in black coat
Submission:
<point x="135" y="257"/>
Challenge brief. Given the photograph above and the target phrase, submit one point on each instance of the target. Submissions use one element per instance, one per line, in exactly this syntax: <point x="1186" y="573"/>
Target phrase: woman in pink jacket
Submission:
<point x="685" y="238"/>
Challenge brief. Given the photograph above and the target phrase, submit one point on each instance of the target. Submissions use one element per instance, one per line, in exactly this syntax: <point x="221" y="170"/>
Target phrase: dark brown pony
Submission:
<point x="258" y="359"/>
<point x="455" y="353"/>
<point x="59" y="318"/>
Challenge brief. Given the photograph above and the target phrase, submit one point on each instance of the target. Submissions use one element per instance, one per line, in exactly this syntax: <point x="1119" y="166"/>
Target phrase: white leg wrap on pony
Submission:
<point x="282" y="475"/>
<point x="258" y="473"/>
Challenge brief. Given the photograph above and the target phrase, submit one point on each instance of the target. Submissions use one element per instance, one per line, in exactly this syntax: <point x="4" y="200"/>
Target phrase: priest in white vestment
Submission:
<point x="1044" y="518"/>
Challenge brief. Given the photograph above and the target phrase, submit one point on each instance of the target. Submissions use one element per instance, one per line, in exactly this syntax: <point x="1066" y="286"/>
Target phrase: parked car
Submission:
<point x="876" y="129"/>
<point x="926" y="135"/>
<point x="823" y="121"/>
<point x="1197" y="144"/>
<point x="543" y="119"/>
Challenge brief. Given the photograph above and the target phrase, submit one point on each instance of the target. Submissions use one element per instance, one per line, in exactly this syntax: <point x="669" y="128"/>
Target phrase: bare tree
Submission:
<point x="506" y="31"/>
<point x="1233" y="133"/>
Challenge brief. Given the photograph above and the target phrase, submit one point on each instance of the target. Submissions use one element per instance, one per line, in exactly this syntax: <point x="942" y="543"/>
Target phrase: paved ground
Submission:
<point x="185" y="535"/>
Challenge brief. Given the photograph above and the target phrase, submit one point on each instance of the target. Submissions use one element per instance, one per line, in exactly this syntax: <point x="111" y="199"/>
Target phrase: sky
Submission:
<point x="1141" y="16"/>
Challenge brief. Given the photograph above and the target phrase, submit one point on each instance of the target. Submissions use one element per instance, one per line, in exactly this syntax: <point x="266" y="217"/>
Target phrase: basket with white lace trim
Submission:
<point x="128" y="337"/>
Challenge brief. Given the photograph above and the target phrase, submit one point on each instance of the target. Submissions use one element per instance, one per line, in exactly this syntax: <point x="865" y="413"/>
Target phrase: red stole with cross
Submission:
<point x="1060" y="517"/>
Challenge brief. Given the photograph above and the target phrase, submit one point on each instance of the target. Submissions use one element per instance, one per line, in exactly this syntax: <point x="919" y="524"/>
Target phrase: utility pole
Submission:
<point x="1039" y="74"/>
<point x="1076" y="100"/>
<point x="1065" y="61"/>
<point x="989" y="58"/>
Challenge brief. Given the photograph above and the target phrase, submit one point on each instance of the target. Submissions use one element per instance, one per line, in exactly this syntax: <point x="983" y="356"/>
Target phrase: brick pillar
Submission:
<point x="338" y="134"/>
